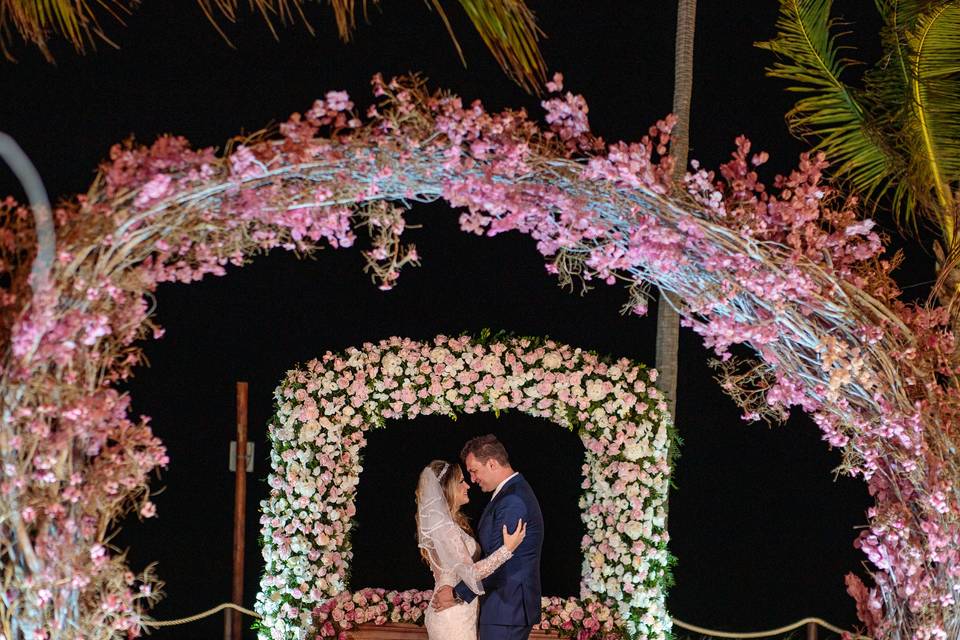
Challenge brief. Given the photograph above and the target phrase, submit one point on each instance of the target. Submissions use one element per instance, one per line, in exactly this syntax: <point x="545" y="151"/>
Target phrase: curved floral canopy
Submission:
<point x="788" y="269"/>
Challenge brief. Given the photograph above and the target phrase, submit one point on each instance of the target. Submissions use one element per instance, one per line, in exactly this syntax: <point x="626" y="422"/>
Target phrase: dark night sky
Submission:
<point x="762" y="530"/>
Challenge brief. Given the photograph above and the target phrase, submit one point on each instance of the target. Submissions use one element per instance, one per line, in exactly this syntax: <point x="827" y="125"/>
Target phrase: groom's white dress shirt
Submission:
<point x="500" y="486"/>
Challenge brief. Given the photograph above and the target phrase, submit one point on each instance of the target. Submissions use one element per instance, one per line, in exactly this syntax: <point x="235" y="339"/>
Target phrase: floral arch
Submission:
<point x="791" y="270"/>
<point x="325" y="407"/>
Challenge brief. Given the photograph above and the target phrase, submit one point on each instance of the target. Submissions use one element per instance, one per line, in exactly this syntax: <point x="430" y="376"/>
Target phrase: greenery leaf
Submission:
<point x="830" y="114"/>
<point x="510" y="31"/>
<point x="507" y="27"/>
<point x="932" y="118"/>
<point x="75" y="20"/>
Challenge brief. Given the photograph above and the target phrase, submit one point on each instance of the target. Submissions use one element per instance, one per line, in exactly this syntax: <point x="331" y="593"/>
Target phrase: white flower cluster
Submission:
<point x="324" y="409"/>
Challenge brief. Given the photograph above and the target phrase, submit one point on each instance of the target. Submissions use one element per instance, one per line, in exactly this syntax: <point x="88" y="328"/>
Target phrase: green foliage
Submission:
<point x="897" y="137"/>
<point x="830" y="113"/>
<point x="510" y="31"/>
<point x="75" y="20"/>
<point x="507" y="27"/>
<point x="933" y="49"/>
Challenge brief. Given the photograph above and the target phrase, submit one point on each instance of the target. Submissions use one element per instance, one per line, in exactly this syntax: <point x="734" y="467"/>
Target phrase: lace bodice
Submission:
<point x="460" y="550"/>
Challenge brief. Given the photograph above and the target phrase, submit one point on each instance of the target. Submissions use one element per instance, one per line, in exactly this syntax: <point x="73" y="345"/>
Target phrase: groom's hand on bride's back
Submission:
<point x="443" y="598"/>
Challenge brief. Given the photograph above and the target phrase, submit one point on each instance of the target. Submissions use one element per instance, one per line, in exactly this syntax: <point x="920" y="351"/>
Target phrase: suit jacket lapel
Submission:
<point x="486" y="510"/>
<point x="483" y="516"/>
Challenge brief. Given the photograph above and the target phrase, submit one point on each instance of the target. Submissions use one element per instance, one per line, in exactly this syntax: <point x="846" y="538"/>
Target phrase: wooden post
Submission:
<point x="811" y="630"/>
<point x="234" y="628"/>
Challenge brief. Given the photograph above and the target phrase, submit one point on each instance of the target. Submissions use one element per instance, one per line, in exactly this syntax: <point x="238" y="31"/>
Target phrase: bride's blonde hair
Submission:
<point x="448" y="483"/>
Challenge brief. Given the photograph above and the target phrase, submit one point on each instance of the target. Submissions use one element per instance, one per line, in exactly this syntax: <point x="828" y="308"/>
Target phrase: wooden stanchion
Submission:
<point x="233" y="626"/>
<point x="811" y="631"/>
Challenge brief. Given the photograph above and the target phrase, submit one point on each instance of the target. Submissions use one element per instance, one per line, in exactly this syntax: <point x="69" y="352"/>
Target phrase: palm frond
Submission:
<point x="38" y="20"/>
<point x="283" y="11"/>
<point x="887" y="82"/>
<point x="344" y="12"/>
<point x="507" y="27"/>
<point x="886" y="95"/>
<point x="933" y="49"/>
<point x="830" y="113"/>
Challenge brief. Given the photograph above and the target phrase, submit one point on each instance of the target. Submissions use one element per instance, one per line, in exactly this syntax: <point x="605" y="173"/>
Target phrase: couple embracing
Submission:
<point x="496" y="574"/>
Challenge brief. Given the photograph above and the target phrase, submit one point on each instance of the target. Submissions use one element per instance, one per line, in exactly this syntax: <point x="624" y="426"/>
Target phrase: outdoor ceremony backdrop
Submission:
<point x="762" y="532"/>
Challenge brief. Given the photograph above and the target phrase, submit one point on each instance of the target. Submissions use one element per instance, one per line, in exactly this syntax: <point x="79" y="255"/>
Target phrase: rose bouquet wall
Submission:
<point x="325" y="408"/>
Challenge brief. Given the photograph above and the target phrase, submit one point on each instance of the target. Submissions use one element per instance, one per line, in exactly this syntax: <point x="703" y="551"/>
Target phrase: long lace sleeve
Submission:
<point x="492" y="562"/>
<point x="452" y="556"/>
<point x="443" y="540"/>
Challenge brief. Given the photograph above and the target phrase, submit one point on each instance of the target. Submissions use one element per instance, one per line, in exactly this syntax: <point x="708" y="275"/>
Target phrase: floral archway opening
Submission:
<point x="324" y="409"/>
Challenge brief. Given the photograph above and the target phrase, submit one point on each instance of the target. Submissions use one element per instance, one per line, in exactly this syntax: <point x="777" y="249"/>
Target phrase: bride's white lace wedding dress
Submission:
<point x="451" y="552"/>
<point x="459" y="550"/>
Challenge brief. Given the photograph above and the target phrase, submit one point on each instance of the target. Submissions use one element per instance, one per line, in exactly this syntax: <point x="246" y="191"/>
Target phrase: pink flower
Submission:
<point x="556" y="84"/>
<point x="156" y="189"/>
<point x="338" y="101"/>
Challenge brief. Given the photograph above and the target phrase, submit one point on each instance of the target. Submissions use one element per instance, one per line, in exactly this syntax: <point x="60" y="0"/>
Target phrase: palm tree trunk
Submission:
<point x="668" y="322"/>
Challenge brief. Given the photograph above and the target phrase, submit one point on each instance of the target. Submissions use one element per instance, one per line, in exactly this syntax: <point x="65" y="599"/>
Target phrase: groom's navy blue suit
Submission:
<point x="510" y="605"/>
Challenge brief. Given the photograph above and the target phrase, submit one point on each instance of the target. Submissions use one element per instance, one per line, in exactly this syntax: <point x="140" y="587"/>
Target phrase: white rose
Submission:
<point x="309" y="431"/>
<point x="390" y="365"/>
<point x="661" y="435"/>
<point x="490" y="363"/>
<point x="595" y="390"/>
<point x="634" y="451"/>
<point x="633" y="529"/>
<point x="552" y="360"/>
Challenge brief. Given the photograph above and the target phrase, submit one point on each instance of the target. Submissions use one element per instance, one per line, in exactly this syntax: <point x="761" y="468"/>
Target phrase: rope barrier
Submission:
<point x="203" y="614"/>
<point x="763" y="634"/>
<point x="683" y="625"/>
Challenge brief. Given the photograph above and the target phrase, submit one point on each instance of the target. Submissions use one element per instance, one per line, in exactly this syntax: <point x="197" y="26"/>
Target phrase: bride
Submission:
<point x="446" y="543"/>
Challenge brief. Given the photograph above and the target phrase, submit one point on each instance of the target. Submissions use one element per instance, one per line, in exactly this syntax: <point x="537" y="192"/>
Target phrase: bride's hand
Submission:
<point x="512" y="540"/>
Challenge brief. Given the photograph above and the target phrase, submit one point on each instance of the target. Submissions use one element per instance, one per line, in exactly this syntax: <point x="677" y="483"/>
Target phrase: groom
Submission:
<point x="510" y="605"/>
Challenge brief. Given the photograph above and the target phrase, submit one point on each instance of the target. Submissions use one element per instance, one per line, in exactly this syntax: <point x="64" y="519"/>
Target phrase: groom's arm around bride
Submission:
<point x="510" y="605"/>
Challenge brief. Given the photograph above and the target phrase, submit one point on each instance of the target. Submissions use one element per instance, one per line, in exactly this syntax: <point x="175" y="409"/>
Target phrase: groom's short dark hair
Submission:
<point x="484" y="448"/>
